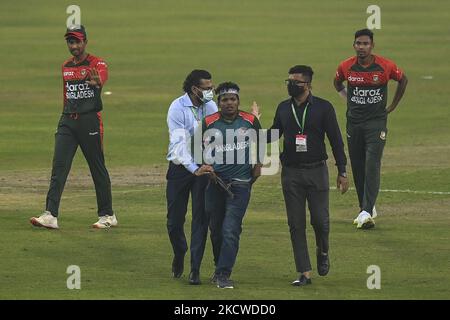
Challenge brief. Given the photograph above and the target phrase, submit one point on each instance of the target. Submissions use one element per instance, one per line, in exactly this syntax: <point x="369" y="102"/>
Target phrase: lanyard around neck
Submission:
<point x="302" y="126"/>
<point x="195" y="113"/>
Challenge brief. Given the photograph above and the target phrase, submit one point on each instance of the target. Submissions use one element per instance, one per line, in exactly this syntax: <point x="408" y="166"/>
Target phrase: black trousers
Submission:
<point x="84" y="130"/>
<point x="299" y="186"/>
<point x="181" y="183"/>
<point x="365" y="147"/>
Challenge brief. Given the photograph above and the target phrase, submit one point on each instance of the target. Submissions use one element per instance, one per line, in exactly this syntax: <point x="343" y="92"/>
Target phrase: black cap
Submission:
<point x="76" y="31"/>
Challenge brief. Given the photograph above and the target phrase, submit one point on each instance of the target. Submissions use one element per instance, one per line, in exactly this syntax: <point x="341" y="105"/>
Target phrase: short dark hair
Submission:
<point x="226" y="86"/>
<point x="193" y="79"/>
<point x="364" y="32"/>
<point x="305" y="70"/>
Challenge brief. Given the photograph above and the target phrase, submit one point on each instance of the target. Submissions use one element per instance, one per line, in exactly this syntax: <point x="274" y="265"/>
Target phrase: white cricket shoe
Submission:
<point x="364" y="221"/>
<point x="105" y="222"/>
<point x="45" y="220"/>
<point x="374" y="215"/>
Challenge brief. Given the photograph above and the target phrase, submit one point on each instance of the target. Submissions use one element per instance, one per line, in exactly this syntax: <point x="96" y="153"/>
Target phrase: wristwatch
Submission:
<point x="343" y="174"/>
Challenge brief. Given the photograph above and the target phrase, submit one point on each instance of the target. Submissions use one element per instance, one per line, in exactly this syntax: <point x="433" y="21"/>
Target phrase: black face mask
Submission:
<point x="294" y="90"/>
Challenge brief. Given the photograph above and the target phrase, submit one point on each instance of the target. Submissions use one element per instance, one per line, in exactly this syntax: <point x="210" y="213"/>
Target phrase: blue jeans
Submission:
<point x="226" y="214"/>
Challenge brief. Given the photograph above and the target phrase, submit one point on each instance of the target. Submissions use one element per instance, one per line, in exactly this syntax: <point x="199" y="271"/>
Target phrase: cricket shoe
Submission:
<point x="374" y="215"/>
<point x="301" y="281"/>
<point x="45" y="220"/>
<point x="364" y="221"/>
<point x="105" y="222"/>
<point x="224" y="282"/>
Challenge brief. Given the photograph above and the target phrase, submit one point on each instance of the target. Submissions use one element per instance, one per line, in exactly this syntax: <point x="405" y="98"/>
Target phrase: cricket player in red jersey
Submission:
<point x="80" y="124"/>
<point x="367" y="76"/>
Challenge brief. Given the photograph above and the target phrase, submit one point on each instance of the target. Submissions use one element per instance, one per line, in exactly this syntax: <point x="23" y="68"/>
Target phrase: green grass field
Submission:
<point x="150" y="47"/>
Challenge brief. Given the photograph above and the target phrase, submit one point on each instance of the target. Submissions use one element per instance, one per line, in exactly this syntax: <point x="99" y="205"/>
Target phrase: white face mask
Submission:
<point x="208" y="95"/>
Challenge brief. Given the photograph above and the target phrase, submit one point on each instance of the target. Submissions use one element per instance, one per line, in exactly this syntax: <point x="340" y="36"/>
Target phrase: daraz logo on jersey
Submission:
<point x="79" y="91"/>
<point x="366" y="78"/>
<point x="355" y="79"/>
<point x="366" y="96"/>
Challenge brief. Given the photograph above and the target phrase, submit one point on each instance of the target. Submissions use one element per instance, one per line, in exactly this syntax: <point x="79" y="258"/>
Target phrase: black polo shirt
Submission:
<point x="320" y="120"/>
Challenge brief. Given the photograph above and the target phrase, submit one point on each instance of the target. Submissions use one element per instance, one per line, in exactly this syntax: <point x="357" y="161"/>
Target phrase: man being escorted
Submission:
<point x="304" y="120"/>
<point x="228" y="137"/>
<point x="80" y="124"/>
<point x="367" y="77"/>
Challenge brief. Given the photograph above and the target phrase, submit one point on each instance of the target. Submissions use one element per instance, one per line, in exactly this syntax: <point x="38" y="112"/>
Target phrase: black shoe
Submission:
<point x="177" y="266"/>
<point x="323" y="263"/>
<point x="194" y="278"/>
<point x="224" y="282"/>
<point x="302" y="281"/>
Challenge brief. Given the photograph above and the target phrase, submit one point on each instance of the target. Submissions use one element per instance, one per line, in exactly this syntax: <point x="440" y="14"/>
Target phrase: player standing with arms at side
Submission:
<point x="80" y="124"/>
<point x="367" y="76"/>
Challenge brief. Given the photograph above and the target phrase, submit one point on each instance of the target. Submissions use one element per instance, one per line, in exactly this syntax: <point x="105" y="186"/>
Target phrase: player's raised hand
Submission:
<point x="94" y="78"/>
<point x="255" y="110"/>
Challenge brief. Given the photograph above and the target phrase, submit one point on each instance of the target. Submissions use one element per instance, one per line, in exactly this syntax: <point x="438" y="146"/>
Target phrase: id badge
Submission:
<point x="300" y="143"/>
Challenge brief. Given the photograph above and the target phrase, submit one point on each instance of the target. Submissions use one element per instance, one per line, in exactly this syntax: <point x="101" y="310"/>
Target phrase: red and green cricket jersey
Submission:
<point x="367" y="87"/>
<point x="80" y="97"/>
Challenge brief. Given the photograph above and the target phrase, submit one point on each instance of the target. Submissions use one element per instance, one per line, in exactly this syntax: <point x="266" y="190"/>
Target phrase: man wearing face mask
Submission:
<point x="184" y="175"/>
<point x="304" y="120"/>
